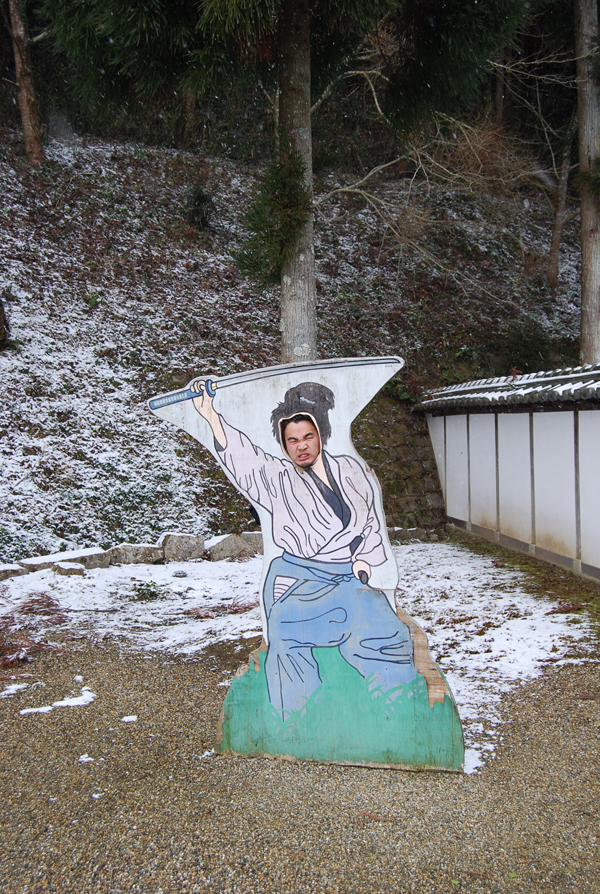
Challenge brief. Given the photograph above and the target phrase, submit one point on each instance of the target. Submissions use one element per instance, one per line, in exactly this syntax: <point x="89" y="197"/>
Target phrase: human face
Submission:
<point x="302" y="443"/>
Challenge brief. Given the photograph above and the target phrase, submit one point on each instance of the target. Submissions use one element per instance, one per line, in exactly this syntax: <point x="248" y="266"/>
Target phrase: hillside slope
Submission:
<point x="112" y="297"/>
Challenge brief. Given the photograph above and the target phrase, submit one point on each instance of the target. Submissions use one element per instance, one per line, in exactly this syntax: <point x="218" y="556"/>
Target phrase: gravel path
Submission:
<point x="168" y="819"/>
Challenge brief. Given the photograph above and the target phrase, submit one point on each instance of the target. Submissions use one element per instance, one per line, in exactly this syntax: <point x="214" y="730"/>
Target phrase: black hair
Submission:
<point x="309" y="401"/>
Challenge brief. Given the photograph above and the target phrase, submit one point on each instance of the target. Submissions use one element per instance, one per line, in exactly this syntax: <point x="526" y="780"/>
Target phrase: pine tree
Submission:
<point x="437" y="57"/>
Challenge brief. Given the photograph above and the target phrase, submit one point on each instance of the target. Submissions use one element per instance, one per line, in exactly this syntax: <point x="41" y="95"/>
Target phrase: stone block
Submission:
<point x="136" y="554"/>
<point x="409" y="504"/>
<point x="254" y="540"/>
<point x="404" y="534"/>
<point x="180" y="547"/>
<point x="69" y="568"/>
<point x="94" y="557"/>
<point x="413" y="486"/>
<point x="7" y="571"/>
<point x="435" y="501"/>
<point x="430" y="485"/>
<point x="231" y="547"/>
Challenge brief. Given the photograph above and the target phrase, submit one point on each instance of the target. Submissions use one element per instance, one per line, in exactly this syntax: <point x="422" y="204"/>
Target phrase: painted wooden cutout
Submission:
<point x="342" y="674"/>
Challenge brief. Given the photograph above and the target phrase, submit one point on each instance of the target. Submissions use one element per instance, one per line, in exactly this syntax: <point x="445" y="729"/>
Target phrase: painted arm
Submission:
<point x="204" y="405"/>
<point x="256" y="473"/>
<point x="370" y="552"/>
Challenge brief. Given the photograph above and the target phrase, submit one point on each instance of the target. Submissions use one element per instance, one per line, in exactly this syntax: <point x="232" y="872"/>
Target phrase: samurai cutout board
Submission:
<point x="343" y="675"/>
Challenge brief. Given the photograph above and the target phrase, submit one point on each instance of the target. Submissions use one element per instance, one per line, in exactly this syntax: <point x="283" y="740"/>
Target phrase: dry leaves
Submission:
<point x="236" y="607"/>
<point x="566" y="608"/>
<point x="18" y="627"/>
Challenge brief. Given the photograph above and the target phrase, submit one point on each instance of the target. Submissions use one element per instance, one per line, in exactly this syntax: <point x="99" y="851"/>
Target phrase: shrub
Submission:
<point x="198" y="206"/>
<point x="273" y="222"/>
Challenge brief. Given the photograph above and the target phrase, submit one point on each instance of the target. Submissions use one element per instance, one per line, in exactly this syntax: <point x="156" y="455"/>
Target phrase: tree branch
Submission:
<point x="354" y="186"/>
<point x="39" y="37"/>
<point x="459" y="278"/>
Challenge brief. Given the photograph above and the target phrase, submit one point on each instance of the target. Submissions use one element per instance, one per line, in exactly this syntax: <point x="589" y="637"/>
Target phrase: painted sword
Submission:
<point x="186" y="394"/>
<point x="176" y="397"/>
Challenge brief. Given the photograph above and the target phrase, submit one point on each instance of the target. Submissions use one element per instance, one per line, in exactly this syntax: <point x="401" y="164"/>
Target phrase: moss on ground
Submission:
<point x="541" y="578"/>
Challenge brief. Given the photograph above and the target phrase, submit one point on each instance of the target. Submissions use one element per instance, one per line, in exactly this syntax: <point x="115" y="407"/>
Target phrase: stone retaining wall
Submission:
<point x="393" y="438"/>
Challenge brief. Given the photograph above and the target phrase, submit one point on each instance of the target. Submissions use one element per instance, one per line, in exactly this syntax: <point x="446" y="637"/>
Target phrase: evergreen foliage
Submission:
<point x="443" y="52"/>
<point x="117" y="48"/>
<point x="273" y="222"/>
<point x="198" y="206"/>
<point x="123" y="48"/>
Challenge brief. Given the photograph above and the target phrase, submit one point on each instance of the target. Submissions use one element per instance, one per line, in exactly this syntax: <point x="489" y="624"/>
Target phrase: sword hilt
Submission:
<point x="186" y="394"/>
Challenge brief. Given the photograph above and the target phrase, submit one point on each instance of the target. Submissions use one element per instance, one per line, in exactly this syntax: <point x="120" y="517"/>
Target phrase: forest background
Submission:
<point x="155" y="219"/>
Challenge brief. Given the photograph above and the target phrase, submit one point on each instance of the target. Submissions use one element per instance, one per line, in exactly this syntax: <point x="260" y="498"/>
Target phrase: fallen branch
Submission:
<point x="236" y="607"/>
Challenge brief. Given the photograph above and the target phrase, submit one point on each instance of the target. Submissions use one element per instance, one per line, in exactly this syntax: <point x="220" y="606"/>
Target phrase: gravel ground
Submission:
<point x="168" y="819"/>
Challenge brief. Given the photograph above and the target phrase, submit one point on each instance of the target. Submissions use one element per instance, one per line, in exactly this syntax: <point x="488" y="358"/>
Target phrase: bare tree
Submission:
<point x="560" y="206"/>
<point x="588" y="114"/>
<point x="529" y="76"/>
<point x="30" y="118"/>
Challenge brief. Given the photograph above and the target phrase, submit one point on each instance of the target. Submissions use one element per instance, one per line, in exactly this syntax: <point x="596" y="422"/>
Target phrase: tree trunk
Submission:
<point x="298" y="298"/>
<point x="560" y="204"/>
<point x="588" y="114"/>
<point x="499" y="98"/>
<point x="4" y="327"/>
<point x="27" y="101"/>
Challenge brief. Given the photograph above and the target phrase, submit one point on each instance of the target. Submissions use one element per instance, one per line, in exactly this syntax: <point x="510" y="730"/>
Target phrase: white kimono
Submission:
<point x="304" y="524"/>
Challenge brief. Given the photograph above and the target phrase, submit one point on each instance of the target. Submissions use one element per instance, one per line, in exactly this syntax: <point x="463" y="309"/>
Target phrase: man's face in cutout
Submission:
<point x="302" y="443"/>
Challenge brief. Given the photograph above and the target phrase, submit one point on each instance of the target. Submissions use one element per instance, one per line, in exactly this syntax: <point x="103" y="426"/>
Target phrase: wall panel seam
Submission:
<point x="577" y="487"/>
<point x="532" y="474"/>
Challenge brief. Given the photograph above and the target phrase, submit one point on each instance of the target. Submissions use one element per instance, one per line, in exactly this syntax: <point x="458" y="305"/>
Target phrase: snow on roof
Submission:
<point x="573" y="383"/>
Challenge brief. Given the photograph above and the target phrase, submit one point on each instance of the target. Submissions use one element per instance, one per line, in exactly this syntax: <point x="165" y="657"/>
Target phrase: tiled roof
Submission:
<point x="571" y="384"/>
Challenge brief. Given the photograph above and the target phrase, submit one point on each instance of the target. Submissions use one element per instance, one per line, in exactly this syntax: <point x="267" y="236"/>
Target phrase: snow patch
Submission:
<point x="10" y="690"/>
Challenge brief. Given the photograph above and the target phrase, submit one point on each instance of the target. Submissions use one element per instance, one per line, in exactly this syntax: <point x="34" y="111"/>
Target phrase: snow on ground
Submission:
<point x="485" y="630"/>
<point x="487" y="633"/>
<point x="149" y="605"/>
<point x="109" y="302"/>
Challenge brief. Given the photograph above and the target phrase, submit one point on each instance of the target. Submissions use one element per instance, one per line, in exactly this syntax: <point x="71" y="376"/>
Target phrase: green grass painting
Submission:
<point x="344" y="722"/>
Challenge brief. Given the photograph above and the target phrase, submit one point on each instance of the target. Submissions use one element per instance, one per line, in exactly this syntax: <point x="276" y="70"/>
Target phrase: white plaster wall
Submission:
<point x="514" y="476"/>
<point x="589" y="485"/>
<point x="436" y="433"/>
<point x="482" y="470"/>
<point x="457" y="468"/>
<point x="554" y="482"/>
<point x="468" y="476"/>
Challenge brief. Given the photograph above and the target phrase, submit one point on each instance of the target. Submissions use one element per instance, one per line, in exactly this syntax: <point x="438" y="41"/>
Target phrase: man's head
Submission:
<point x="300" y="440"/>
<point x="306" y="402"/>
